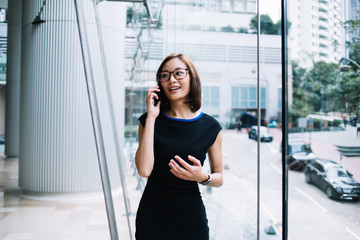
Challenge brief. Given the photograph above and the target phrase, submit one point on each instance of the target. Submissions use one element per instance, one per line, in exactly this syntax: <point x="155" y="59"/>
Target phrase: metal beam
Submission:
<point x="112" y="117"/>
<point x="95" y="117"/>
<point x="284" y="101"/>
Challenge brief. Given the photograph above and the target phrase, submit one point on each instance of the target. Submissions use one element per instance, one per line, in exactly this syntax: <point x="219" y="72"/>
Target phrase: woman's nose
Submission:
<point x="172" y="77"/>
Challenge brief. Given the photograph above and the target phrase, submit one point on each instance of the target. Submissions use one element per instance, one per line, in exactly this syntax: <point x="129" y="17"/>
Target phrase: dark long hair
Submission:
<point x="194" y="99"/>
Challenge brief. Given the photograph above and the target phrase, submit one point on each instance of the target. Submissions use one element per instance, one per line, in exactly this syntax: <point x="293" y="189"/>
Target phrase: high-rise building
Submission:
<point x="351" y="11"/>
<point x="315" y="32"/>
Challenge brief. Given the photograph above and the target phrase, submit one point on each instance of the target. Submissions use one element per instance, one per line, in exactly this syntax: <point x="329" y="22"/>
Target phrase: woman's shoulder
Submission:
<point x="211" y="120"/>
<point x="142" y="118"/>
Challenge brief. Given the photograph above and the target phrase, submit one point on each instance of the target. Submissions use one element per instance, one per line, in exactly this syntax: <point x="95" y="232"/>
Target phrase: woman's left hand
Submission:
<point x="188" y="172"/>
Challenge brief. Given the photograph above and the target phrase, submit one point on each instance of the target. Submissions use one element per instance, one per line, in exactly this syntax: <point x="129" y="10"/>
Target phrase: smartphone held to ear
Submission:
<point x="155" y="101"/>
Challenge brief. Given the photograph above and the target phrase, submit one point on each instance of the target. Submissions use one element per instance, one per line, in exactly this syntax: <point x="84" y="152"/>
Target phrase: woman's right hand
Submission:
<point x="153" y="111"/>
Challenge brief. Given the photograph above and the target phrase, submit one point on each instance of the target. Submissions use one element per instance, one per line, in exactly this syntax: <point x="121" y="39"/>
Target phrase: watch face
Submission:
<point x="207" y="181"/>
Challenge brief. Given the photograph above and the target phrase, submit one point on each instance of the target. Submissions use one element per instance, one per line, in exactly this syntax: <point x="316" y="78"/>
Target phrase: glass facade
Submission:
<point x="210" y="100"/>
<point x="245" y="97"/>
<point x="235" y="61"/>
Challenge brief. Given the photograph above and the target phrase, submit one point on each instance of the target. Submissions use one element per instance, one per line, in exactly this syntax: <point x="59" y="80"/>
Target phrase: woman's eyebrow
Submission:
<point x="165" y="70"/>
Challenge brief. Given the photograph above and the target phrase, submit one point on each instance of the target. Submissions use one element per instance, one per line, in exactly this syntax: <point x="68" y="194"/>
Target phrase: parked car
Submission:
<point x="299" y="154"/>
<point x="272" y="124"/>
<point x="333" y="179"/>
<point x="265" y="135"/>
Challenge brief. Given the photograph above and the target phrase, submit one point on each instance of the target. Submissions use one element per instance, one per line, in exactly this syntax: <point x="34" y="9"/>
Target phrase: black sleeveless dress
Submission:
<point x="172" y="208"/>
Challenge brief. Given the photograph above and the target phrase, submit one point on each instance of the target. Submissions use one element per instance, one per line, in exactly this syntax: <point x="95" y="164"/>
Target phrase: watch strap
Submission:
<point x="207" y="181"/>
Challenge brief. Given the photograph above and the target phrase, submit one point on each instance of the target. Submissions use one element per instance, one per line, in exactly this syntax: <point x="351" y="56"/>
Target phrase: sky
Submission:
<point x="272" y="8"/>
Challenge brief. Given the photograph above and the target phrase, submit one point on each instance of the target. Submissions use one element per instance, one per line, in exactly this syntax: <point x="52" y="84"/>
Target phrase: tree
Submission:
<point x="347" y="92"/>
<point x="352" y="26"/>
<point x="354" y="53"/>
<point x="299" y="107"/>
<point x="267" y="26"/>
<point x="321" y="78"/>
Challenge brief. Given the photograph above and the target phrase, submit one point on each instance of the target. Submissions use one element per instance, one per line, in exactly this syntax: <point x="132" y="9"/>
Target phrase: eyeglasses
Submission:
<point x="178" y="74"/>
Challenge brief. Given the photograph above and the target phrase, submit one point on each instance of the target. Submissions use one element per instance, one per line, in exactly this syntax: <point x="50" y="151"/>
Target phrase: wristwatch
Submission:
<point x="207" y="181"/>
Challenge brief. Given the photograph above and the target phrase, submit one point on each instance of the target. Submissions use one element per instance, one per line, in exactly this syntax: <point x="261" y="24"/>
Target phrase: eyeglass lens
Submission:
<point x="178" y="74"/>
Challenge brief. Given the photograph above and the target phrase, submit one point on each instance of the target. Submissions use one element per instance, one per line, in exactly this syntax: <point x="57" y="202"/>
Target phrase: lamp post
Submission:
<point x="344" y="67"/>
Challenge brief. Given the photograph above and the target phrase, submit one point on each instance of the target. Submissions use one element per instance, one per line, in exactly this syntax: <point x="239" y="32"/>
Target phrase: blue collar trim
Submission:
<point x="183" y="120"/>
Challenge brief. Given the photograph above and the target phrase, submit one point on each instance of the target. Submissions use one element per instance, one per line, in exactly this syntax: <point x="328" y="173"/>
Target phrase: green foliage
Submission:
<point x="267" y="26"/>
<point x="316" y="123"/>
<point x="323" y="88"/>
<point x="352" y="26"/>
<point x="354" y="52"/>
<point x="299" y="107"/>
<point x="243" y="30"/>
<point x="347" y="90"/>
<point x="336" y="123"/>
<point x="130" y="131"/>
<point x="228" y="29"/>
<point x="320" y="79"/>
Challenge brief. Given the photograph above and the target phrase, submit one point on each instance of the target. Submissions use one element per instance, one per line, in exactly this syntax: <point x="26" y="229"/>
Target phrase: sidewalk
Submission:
<point x="324" y="145"/>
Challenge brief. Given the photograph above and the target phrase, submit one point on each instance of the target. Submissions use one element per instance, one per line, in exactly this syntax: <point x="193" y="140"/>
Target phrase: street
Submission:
<point x="311" y="214"/>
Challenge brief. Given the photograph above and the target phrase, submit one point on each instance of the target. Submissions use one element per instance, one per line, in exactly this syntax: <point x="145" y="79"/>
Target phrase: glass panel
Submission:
<point x="270" y="165"/>
<point x="244" y="97"/>
<point x="263" y="98"/>
<point x="252" y="97"/>
<point x="220" y="38"/>
<point x="235" y="97"/>
<point x="210" y="103"/>
<point x="321" y="106"/>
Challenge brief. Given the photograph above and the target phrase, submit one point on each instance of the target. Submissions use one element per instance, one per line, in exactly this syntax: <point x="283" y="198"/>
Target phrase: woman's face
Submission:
<point x="176" y="90"/>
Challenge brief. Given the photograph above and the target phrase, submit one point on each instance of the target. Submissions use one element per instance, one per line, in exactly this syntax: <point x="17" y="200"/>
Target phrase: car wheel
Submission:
<point x="329" y="192"/>
<point x="308" y="178"/>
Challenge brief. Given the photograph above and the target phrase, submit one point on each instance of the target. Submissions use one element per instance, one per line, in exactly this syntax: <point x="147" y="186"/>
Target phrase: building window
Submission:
<point x="323" y="46"/>
<point x="246" y="97"/>
<point x="226" y="5"/>
<point x="324" y="55"/>
<point x="210" y="100"/>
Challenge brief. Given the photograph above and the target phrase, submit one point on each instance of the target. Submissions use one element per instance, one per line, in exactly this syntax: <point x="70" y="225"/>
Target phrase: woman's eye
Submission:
<point x="179" y="73"/>
<point x="164" y="75"/>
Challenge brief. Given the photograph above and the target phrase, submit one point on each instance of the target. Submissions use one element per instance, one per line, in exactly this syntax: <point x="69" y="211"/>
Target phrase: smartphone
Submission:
<point x="160" y="95"/>
<point x="155" y="101"/>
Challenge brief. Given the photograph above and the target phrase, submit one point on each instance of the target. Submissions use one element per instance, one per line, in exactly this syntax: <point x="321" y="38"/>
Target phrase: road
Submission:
<point x="311" y="214"/>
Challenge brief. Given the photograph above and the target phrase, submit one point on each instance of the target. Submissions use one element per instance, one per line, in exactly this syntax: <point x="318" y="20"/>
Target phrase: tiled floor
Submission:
<point x="77" y="218"/>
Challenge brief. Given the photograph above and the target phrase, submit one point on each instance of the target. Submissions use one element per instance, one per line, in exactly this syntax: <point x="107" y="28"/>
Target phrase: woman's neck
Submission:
<point x="182" y="112"/>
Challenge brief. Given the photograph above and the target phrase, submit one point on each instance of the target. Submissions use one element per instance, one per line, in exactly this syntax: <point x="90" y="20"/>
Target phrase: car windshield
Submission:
<point x="300" y="148"/>
<point x="337" y="172"/>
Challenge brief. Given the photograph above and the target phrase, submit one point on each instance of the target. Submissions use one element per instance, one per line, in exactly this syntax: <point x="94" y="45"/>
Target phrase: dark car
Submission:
<point x="265" y="135"/>
<point x="299" y="154"/>
<point x="333" y="179"/>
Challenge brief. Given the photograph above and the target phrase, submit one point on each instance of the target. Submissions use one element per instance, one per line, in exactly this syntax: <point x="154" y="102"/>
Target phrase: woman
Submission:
<point x="174" y="138"/>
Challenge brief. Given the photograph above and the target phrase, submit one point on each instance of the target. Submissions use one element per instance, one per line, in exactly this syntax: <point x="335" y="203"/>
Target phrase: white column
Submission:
<point x="57" y="147"/>
<point x="13" y="79"/>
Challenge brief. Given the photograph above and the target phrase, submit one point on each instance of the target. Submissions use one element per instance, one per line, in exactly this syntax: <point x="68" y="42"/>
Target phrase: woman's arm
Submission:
<point x="144" y="157"/>
<point x="215" y="160"/>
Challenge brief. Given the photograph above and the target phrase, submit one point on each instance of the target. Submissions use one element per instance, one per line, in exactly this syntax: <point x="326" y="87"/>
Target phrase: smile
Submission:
<point x="174" y="88"/>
